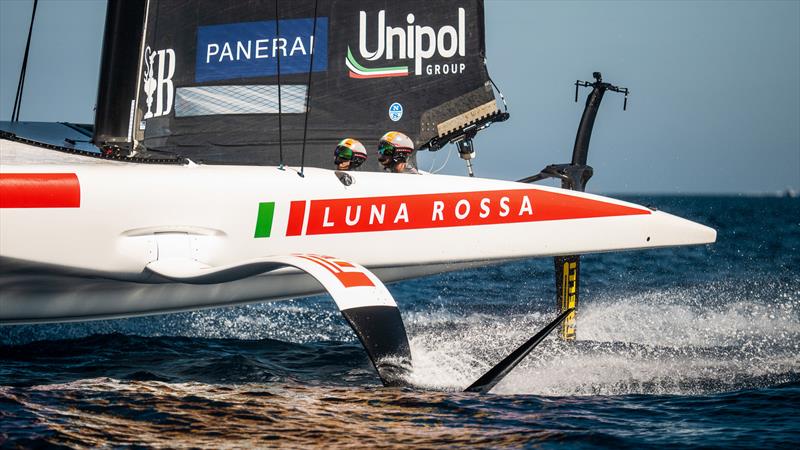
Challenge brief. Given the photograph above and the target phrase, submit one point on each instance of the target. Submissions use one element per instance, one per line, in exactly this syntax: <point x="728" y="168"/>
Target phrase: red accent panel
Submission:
<point x="348" y="279"/>
<point x="342" y="263"/>
<point x="297" y="213"/>
<point x="353" y="279"/>
<point x="359" y="215"/>
<point x="39" y="190"/>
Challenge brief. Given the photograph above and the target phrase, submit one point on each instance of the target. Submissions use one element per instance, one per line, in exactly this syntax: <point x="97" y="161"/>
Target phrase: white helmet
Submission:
<point x="395" y="145"/>
<point x="349" y="149"/>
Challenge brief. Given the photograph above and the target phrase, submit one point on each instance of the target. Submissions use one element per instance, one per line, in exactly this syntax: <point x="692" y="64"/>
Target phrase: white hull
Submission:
<point x="39" y="296"/>
<point x="84" y="260"/>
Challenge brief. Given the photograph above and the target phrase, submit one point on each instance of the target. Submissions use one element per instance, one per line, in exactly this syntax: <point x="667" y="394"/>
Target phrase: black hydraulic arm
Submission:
<point x="575" y="174"/>
<point x="581" y="149"/>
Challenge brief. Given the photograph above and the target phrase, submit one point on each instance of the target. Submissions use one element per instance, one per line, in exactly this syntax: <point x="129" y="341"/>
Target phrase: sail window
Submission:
<point x="249" y="99"/>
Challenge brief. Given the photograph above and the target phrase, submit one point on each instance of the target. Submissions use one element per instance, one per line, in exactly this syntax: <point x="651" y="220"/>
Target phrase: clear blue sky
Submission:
<point x="715" y="103"/>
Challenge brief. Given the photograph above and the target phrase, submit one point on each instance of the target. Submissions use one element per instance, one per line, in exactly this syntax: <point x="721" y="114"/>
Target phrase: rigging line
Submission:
<point x="449" y="152"/>
<point x="23" y="69"/>
<point x="308" y="89"/>
<point x="502" y="97"/>
<point x="433" y="163"/>
<point x="280" y="102"/>
<point x="14" y="114"/>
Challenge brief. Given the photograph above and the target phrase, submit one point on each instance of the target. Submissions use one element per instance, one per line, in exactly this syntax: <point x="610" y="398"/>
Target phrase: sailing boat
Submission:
<point x="206" y="179"/>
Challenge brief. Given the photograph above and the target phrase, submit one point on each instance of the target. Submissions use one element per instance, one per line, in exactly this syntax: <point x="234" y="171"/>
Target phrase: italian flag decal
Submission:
<point x="359" y="71"/>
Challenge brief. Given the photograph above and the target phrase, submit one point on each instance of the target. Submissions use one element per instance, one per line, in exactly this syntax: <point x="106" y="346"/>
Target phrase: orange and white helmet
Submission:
<point x="395" y="145"/>
<point x="349" y="149"/>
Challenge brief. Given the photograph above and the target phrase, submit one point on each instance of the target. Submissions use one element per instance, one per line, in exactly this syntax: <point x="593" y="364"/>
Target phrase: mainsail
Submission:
<point x="268" y="82"/>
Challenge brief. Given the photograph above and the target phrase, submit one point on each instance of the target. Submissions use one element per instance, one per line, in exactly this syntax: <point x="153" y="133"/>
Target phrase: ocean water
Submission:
<point x="695" y="347"/>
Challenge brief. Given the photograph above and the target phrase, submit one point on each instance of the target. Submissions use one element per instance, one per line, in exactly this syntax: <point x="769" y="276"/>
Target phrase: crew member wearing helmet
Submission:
<point x="394" y="149"/>
<point x="349" y="154"/>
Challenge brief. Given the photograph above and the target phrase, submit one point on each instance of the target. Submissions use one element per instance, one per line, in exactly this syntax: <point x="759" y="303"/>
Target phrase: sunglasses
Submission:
<point x="386" y="149"/>
<point x="344" y="153"/>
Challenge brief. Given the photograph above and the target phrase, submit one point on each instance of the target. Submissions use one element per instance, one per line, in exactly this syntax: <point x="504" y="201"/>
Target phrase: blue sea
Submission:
<point x="681" y="347"/>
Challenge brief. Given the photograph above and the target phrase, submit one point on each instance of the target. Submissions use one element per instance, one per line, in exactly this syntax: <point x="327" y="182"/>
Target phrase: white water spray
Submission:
<point x="660" y="343"/>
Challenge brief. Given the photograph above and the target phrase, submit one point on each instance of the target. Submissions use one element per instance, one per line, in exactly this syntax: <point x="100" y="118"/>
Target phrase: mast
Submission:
<point x="135" y="132"/>
<point x="119" y="73"/>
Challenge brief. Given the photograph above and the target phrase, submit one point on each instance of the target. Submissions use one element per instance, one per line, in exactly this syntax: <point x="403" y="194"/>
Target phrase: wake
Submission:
<point x="662" y="342"/>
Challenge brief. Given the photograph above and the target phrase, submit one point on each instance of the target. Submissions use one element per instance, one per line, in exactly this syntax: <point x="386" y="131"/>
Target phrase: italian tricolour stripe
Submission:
<point x="359" y="71"/>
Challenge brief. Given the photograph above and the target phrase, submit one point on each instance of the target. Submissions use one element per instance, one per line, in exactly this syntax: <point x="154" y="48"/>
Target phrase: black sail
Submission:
<point x="209" y="84"/>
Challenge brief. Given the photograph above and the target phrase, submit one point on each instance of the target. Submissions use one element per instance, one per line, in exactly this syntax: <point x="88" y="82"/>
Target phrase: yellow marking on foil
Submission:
<point x="570" y="286"/>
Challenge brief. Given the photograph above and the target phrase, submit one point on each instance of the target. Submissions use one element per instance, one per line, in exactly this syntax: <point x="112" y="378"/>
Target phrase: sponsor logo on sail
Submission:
<point x="252" y="49"/>
<point x="395" y="111"/>
<point x="159" y="68"/>
<point x="417" y="43"/>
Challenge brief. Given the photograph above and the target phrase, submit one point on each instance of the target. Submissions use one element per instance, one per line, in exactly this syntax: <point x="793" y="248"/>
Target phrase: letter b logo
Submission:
<point x="158" y="72"/>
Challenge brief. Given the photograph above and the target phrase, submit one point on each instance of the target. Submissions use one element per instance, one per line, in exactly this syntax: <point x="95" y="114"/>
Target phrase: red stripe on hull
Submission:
<point x="39" y="190"/>
<point x="366" y="214"/>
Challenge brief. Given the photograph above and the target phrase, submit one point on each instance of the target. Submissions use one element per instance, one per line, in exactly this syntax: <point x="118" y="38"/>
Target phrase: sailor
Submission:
<point x="394" y="149"/>
<point x="349" y="154"/>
